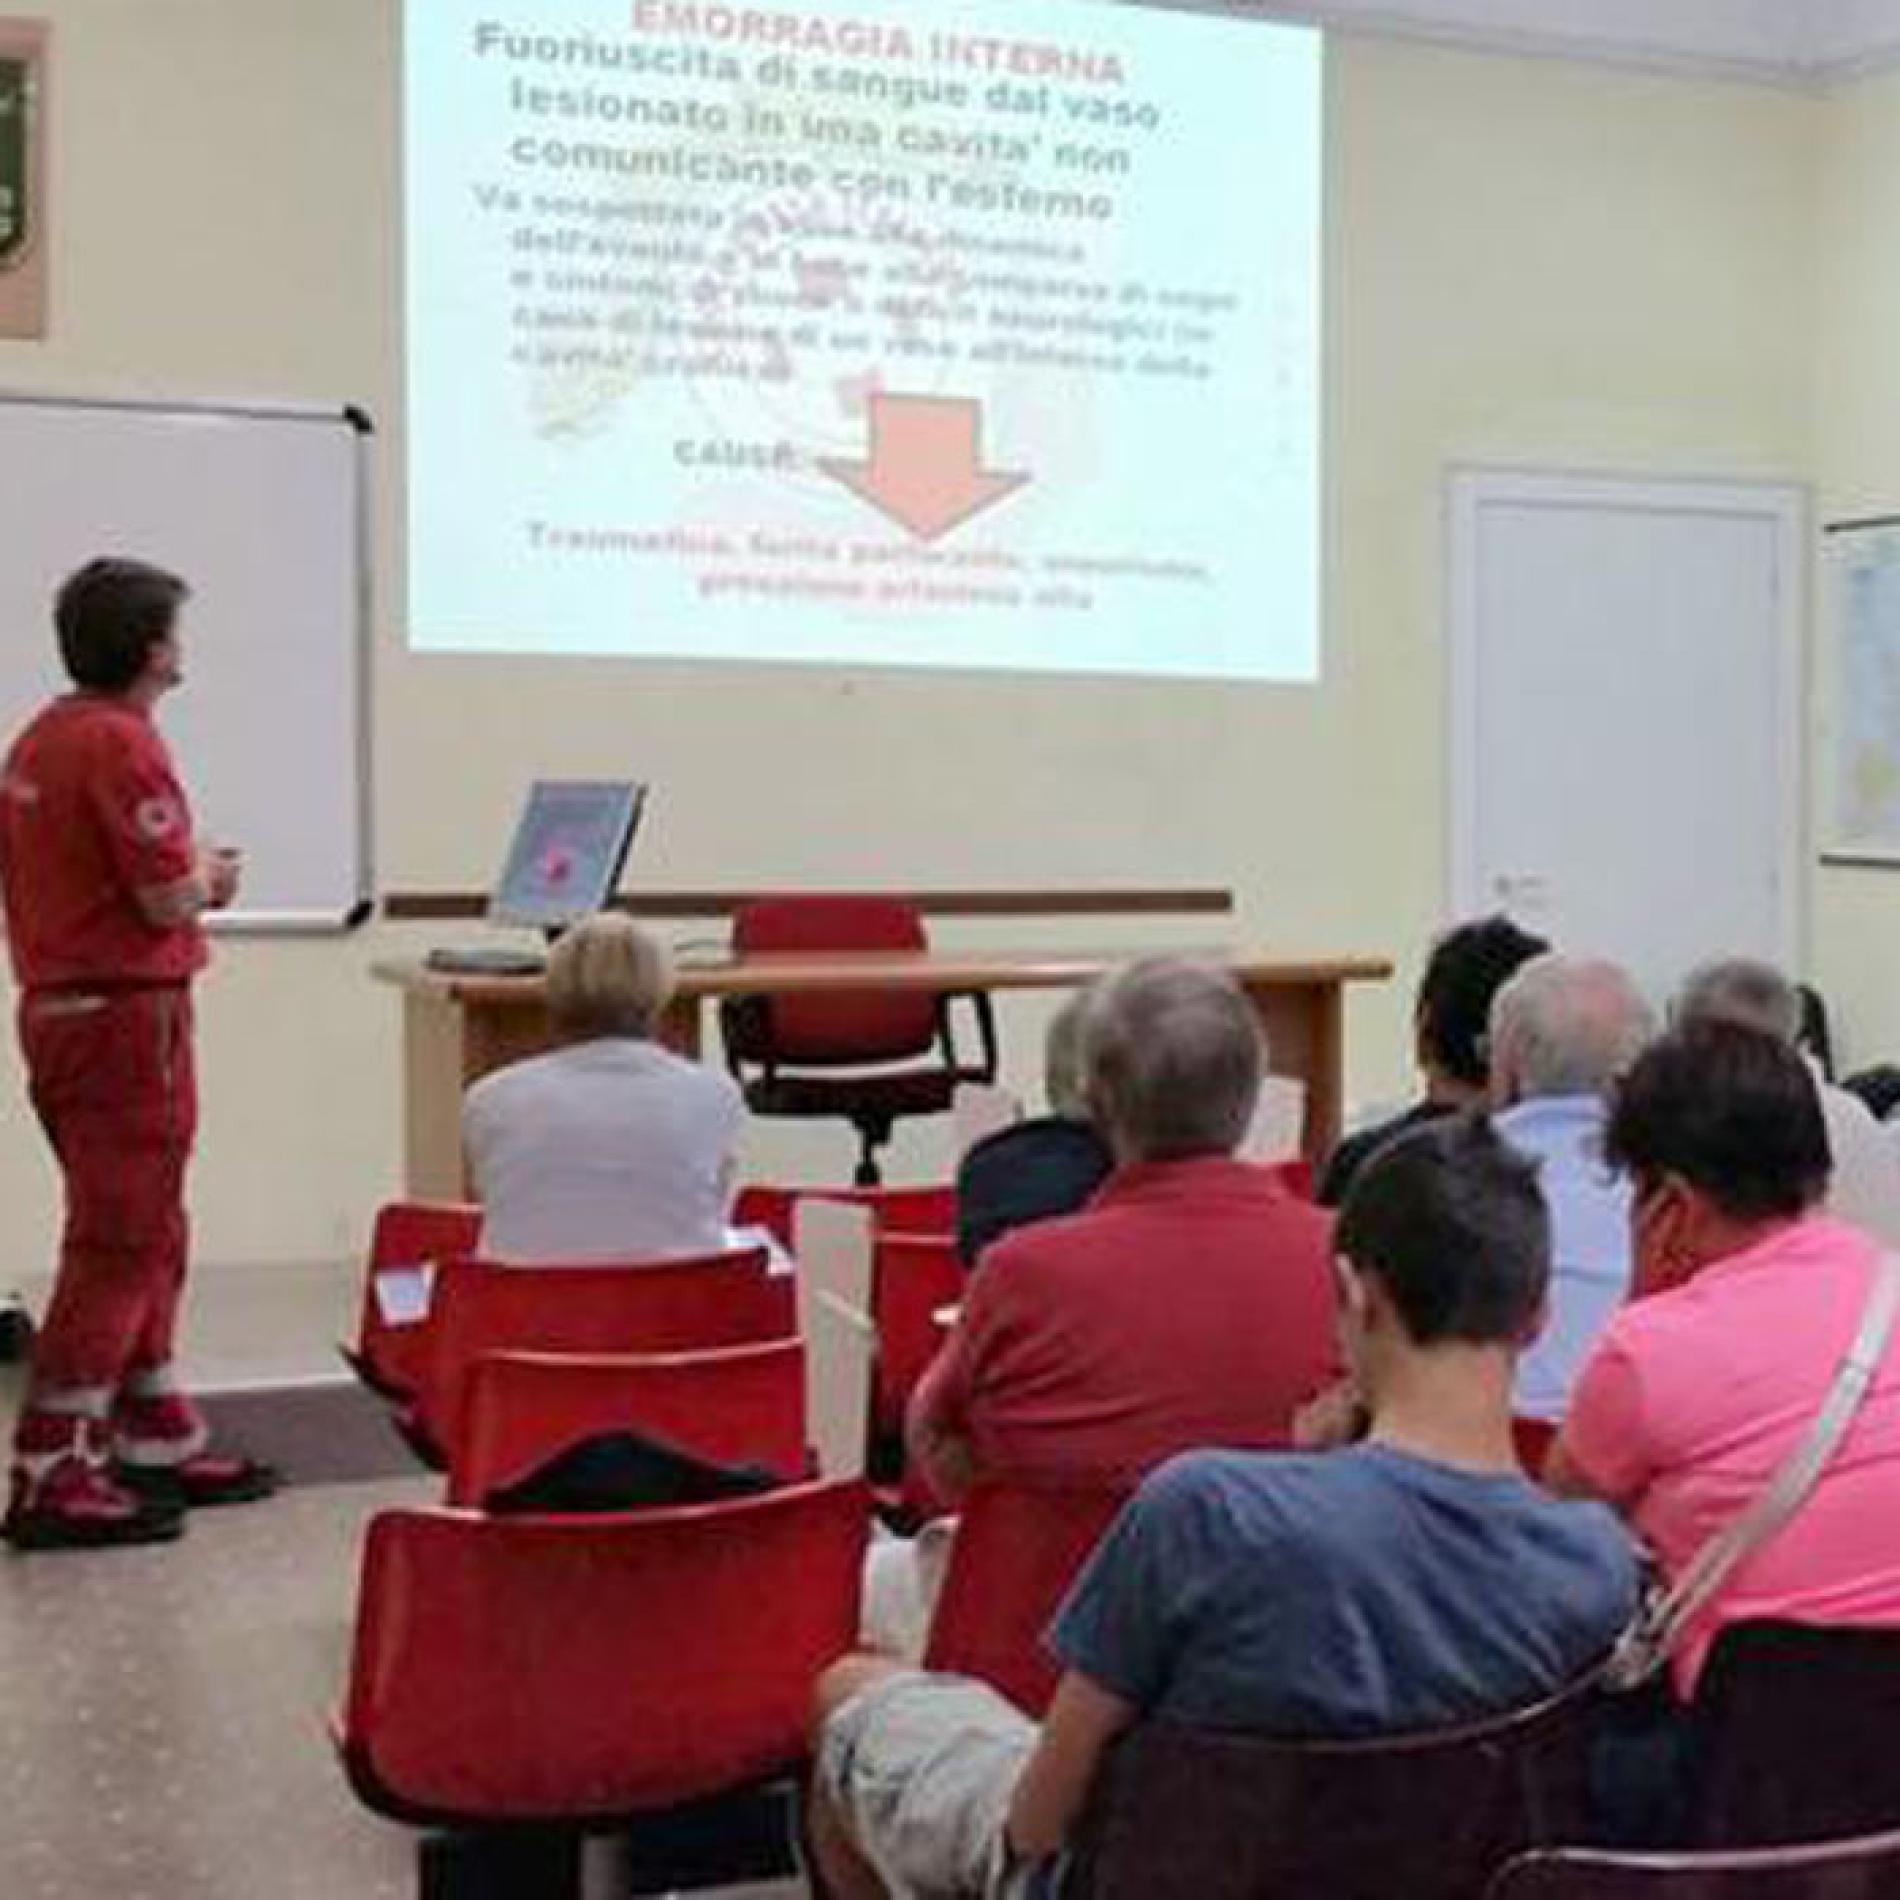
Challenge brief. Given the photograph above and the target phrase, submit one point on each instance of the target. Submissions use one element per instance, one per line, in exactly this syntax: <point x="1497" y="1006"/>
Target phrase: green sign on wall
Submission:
<point x="16" y="104"/>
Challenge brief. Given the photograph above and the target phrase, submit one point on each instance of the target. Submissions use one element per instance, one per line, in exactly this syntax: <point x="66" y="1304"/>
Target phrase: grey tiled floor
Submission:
<point x="164" y="1734"/>
<point x="163" y="1711"/>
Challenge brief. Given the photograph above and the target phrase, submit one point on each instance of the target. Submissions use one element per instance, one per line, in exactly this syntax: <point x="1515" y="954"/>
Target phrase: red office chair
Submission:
<point x="1864" y="1869"/>
<point x="1017" y="1550"/>
<point x="578" y="1671"/>
<point x="865" y="1056"/>
<point x="733" y="1405"/>
<point x="1191" y="1814"/>
<point x="407" y="1234"/>
<point x="676" y="1306"/>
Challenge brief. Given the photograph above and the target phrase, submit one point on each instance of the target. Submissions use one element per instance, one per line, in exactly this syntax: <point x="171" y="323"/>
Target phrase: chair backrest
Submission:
<point x="1863" y="1869"/>
<point x="1017" y="1549"/>
<point x="477" y="1307"/>
<point x="1532" y="1439"/>
<point x="914" y="1276"/>
<point x="844" y="1026"/>
<point x="1793" y="1734"/>
<point x="979" y="1110"/>
<point x="894" y="1210"/>
<point x="833" y="1245"/>
<point x="562" y="1668"/>
<point x="1187" y="1814"/>
<point x="406" y="1234"/>
<point x="733" y="1405"/>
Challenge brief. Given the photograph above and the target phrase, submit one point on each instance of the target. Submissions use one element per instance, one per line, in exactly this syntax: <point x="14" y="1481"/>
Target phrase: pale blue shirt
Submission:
<point x="1589" y="1235"/>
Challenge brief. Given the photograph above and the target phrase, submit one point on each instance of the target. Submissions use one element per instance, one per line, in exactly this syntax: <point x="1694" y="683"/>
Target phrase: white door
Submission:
<point x="1625" y="689"/>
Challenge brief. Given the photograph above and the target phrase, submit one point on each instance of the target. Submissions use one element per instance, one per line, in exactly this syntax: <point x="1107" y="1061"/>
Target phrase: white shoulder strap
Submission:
<point x="1717" y="1560"/>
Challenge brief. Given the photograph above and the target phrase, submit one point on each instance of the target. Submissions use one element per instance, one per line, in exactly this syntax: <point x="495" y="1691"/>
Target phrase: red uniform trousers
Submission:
<point x="112" y="1079"/>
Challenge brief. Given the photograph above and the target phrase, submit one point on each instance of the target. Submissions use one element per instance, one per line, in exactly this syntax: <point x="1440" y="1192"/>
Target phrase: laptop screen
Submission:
<point x="568" y="850"/>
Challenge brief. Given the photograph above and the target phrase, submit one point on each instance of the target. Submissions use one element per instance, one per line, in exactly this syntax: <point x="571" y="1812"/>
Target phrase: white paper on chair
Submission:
<point x="777" y="1261"/>
<point x="403" y="1294"/>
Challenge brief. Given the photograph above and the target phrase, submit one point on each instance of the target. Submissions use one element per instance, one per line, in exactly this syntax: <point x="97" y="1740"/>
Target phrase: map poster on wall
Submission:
<point x="1862" y="689"/>
<point x="22" y="177"/>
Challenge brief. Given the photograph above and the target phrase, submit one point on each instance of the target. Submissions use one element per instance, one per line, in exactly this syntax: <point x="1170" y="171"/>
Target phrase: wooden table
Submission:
<point x="458" y="1027"/>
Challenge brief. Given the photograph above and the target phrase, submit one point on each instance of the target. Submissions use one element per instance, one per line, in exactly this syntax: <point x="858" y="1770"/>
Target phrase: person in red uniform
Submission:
<point x="104" y="885"/>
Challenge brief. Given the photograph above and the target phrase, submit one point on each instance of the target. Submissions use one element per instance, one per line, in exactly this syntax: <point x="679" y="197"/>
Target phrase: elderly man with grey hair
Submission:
<point x="1048" y="1165"/>
<point x="1864" y="1188"/>
<point x="1189" y="1303"/>
<point x="1562" y="1030"/>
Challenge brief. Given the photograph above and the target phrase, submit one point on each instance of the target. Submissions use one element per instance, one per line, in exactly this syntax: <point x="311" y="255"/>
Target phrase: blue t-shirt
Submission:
<point x="1357" y="1592"/>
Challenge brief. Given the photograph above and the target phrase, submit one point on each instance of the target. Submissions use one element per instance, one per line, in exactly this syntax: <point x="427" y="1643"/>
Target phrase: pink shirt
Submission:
<point x="1189" y="1304"/>
<point x="1695" y="1397"/>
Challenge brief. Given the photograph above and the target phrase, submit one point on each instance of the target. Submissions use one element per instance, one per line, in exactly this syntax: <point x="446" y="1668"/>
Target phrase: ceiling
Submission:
<point x="1781" y="42"/>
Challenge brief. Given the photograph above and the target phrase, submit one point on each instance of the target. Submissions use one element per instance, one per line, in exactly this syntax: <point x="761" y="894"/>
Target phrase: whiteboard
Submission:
<point x="261" y="511"/>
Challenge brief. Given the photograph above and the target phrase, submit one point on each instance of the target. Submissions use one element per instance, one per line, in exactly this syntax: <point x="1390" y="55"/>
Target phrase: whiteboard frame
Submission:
<point x="286" y="923"/>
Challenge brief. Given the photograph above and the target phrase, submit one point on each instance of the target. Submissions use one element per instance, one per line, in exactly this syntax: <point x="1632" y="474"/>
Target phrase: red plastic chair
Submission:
<point x="894" y="1210"/>
<point x="913" y="1277"/>
<point x="1533" y="1438"/>
<point x="580" y="1670"/>
<point x="675" y="1306"/>
<point x="867" y="1056"/>
<point x="1189" y="1814"/>
<point x="1295" y="1176"/>
<point x="1017" y="1550"/>
<point x="407" y="1234"/>
<point x="915" y="1272"/>
<point x="734" y="1405"/>
<point x="1867" y="1868"/>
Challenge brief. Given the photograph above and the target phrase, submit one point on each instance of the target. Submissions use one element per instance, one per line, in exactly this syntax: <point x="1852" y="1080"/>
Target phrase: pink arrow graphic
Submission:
<point x="925" y="470"/>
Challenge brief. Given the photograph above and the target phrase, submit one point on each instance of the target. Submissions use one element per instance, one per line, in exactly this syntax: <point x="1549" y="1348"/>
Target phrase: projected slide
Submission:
<point x="966" y="333"/>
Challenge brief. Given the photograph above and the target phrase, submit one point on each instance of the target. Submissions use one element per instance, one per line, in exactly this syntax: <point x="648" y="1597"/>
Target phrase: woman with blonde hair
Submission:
<point x="609" y="1146"/>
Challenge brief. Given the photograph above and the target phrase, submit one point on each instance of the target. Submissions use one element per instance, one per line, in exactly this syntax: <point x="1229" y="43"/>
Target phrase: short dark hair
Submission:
<point x="1468" y="965"/>
<point x="110" y="614"/>
<point x="1453" y="1223"/>
<point x="1730" y="1108"/>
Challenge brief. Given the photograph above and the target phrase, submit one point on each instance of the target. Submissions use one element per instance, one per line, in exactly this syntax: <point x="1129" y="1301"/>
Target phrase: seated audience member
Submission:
<point x="1878" y="1090"/>
<point x="1865" y="1184"/>
<point x="1465" y="970"/>
<point x="1562" y="1030"/>
<point x="608" y="1147"/>
<point x="1747" y="1299"/>
<point x="1190" y="1303"/>
<point x="1412" y="1582"/>
<point x="1048" y="1165"/>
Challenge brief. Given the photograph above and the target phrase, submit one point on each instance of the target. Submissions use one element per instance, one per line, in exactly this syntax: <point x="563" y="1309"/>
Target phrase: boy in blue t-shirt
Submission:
<point x="1414" y="1581"/>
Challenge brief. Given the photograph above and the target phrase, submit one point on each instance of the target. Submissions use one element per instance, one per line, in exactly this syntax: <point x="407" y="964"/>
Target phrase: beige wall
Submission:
<point x="1856" y="927"/>
<point x="1529" y="261"/>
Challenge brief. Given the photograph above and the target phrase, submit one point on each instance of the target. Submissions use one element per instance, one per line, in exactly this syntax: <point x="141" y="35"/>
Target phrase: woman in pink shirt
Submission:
<point x="1745" y="1300"/>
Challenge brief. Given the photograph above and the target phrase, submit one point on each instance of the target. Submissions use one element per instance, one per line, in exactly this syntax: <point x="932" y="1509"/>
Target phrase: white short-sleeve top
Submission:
<point x="612" y="1149"/>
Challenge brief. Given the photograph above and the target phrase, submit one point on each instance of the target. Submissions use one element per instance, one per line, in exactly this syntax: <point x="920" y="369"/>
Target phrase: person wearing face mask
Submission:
<point x="1746" y="1299"/>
